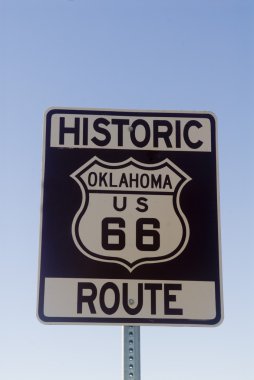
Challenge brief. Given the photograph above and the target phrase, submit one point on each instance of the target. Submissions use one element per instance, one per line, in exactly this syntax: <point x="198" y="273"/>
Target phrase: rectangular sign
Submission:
<point x="163" y="299"/>
<point x="130" y="218"/>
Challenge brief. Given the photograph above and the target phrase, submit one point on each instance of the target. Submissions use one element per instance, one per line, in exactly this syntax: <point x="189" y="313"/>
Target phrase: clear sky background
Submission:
<point x="168" y="55"/>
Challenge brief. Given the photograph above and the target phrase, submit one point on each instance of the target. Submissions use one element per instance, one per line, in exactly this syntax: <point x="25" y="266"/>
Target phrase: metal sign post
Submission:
<point x="131" y="353"/>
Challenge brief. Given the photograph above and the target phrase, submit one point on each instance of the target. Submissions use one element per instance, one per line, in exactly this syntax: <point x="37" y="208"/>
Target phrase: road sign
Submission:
<point x="130" y="218"/>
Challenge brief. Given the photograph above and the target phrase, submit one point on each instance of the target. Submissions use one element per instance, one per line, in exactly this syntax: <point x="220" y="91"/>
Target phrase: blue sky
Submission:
<point x="168" y="55"/>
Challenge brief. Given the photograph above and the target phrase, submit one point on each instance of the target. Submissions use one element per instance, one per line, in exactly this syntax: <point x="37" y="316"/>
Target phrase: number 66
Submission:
<point x="141" y="233"/>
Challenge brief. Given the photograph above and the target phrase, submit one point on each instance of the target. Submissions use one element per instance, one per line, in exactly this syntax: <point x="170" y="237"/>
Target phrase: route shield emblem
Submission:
<point x="130" y="212"/>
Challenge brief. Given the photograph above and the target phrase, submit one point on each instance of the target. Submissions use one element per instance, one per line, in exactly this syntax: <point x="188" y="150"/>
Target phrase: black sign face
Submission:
<point x="130" y="218"/>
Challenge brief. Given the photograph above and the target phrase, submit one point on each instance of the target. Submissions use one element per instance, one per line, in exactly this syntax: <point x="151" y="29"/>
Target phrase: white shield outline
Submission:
<point x="184" y="179"/>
